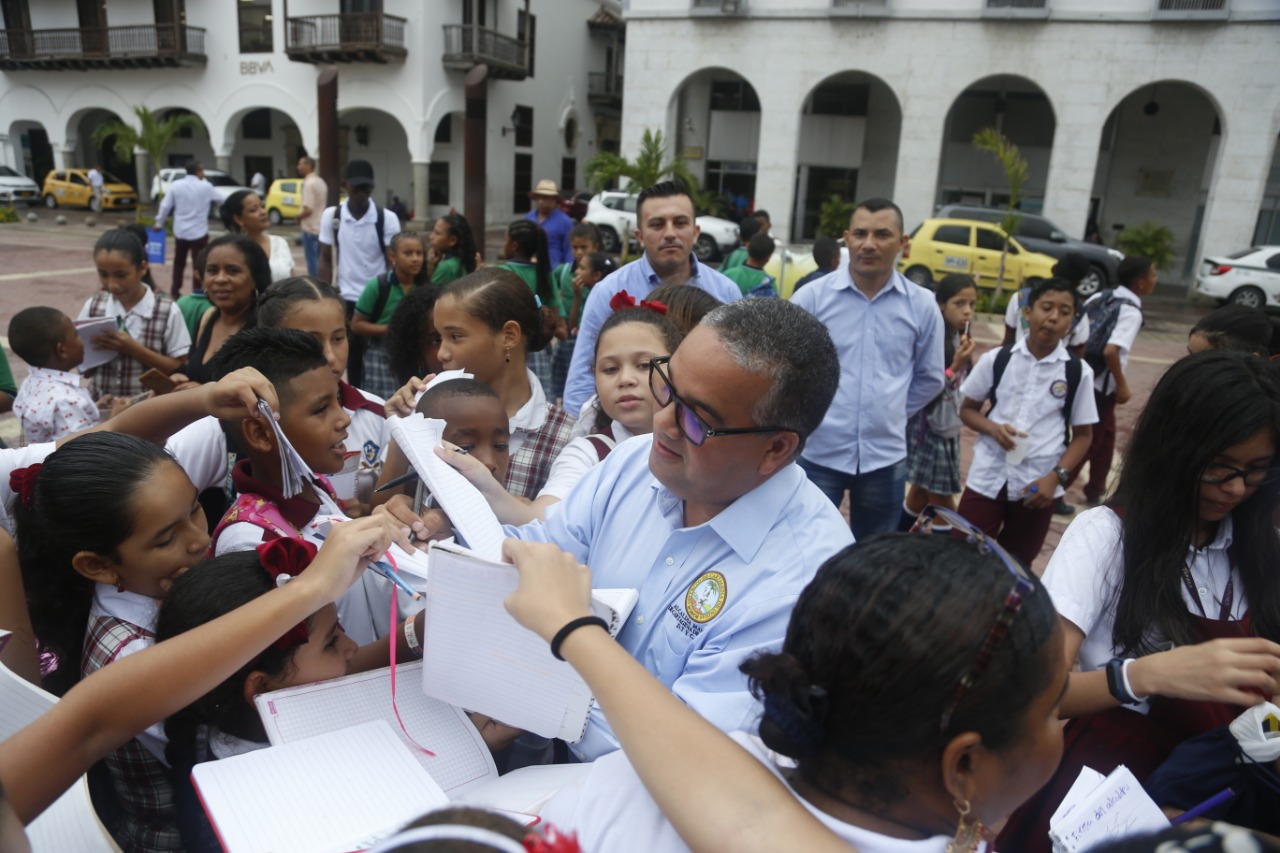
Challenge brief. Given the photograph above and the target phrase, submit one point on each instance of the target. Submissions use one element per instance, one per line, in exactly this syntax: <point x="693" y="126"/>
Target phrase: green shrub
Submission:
<point x="834" y="216"/>
<point x="8" y="214"/>
<point x="1149" y="239"/>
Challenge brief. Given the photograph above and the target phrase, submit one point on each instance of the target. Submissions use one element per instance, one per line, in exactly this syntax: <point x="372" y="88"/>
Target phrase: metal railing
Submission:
<point x="103" y="43"/>
<point x="351" y="30"/>
<point x="1191" y="5"/>
<point x="1017" y="4"/>
<point x="473" y="43"/>
<point x="600" y="84"/>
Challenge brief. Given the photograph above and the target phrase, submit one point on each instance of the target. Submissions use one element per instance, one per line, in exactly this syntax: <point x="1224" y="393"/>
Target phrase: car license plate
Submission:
<point x="955" y="262"/>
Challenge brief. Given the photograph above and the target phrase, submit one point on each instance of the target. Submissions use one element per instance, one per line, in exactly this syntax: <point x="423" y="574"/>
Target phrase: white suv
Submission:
<point x="614" y="213"/>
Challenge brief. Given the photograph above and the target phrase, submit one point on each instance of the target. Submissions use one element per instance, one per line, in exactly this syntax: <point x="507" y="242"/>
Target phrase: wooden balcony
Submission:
<point x="86" y="48"/>
<point x="605" y="91"/>
<point x="469" y="45"/>
<point x="353" y="37"/>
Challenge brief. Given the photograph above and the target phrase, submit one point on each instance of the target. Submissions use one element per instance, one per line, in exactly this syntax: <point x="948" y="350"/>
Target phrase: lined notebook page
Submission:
<point x="70" y="823"/>
<point x="1116" y="807"/>
<point x="461" y="761"/>
<point x="472" y="518"/>
<point x="341" y="791"/>
<point x="479" y="657"/>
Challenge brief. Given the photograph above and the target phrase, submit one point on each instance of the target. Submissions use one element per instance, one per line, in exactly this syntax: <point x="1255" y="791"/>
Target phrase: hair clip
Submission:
<point x="623" y="300"/>
<point x="22" y="482"/>
<point x="284" y="560"/>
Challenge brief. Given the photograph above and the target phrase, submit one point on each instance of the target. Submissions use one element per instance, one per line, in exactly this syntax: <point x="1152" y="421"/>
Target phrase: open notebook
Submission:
<point x="473" y="520"/>
<point x="478" y="657"/>
<point x="462" y="761"/>
<point x="70" y="823"/>
<point x="344" y="790"/>
<point x="1098" y="808"/>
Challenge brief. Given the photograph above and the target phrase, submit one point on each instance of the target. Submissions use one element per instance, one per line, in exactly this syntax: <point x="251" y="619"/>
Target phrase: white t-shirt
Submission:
<point x="610" y="809"/>
<point x="1084" y="575"/>
<point x="1016" y="320"/>
<point x="1123" y="334"/>
<point x="177" y="340"/>
<point x="359" y="257"/>
<point x="1031" y="396"/>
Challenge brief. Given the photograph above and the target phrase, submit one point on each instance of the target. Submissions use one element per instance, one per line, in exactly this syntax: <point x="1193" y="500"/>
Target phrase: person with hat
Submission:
<point x="547" y="213"/>
<point x="354" y="237"/>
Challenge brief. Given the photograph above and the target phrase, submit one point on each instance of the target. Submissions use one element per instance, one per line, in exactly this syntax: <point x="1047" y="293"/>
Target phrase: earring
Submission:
<point x="968" y="832"/>
<point x="507" y="352"/>
<point x="119" y="584"/>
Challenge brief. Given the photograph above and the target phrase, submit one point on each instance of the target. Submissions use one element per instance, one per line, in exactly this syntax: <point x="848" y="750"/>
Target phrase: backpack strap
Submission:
<point x="997" y="371"/>
<point x="258" y="511"/>
<point x="1073" y="384"/>
<point x="384" y="293"/>
<point x="602" y="443"/>
<point x="378" y="227"/>
<point x="337" y="221"/>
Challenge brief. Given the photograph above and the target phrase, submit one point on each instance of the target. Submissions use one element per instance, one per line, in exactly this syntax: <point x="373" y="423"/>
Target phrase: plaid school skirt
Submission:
<point x="933" y="462"/>
<point x="378" y="378"/>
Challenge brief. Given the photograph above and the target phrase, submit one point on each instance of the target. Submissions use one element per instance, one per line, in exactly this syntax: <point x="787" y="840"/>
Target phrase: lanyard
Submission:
<point x="1228" y="595"/>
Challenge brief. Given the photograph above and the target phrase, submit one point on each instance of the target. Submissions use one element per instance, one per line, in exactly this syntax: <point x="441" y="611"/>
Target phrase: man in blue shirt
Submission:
<point x="889" y="333"/>
<point x="667" y="229"/>
<point x="554" y="221"/>
<point x="189" y="200"/>
<point x="709" y="518"/>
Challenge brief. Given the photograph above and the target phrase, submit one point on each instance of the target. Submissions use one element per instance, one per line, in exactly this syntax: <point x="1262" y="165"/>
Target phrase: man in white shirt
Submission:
<point x="354" y="237"/>
<point x="189" y="201"/>
<point x="95" y="186"/>
<point x="258" y="183"/>
<point x="314" y="194"/>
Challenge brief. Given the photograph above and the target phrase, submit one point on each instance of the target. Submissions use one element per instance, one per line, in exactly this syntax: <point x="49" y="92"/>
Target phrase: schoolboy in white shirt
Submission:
<point x="51" y="404"/>
<point x="1022" y="458"/>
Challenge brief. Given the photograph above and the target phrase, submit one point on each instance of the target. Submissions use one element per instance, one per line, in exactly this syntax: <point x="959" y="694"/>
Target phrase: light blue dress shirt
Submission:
<point x="189" y="200"/>
<point x="638" y="279"/>
<point x="890" y="368"/>
<point x="629" y="529"/>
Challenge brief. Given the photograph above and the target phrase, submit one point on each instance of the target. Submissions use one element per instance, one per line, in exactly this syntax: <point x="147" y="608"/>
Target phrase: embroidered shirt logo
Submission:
<point x="370" y="453"/>
<point x="705" y="598"/>
<point x="1058" y="389"/>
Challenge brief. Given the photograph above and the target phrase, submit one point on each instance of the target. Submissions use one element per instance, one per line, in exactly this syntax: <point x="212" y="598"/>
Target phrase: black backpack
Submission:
<point x="1073" y="384"/>
<point x="1103" y="313"/>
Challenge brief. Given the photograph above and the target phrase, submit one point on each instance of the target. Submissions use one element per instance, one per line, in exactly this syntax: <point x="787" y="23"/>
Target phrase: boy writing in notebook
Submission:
<point x="1038" y="426"/>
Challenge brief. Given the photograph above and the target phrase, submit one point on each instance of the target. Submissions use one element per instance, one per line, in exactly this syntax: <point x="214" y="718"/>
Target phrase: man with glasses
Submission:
<point x="709" y="518"/>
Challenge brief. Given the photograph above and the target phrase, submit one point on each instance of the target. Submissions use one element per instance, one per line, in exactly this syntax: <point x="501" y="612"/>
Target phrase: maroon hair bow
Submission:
<point x="285" y="559"/>
<point x="22" y="482"/>
<point x="623" y="300"/>
<point x="553" y="841"/>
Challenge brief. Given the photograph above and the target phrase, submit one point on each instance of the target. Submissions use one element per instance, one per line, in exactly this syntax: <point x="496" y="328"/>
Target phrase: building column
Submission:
<point x="142" y="162"/>
<point x="421" y="171"/>
<point x="223" y="163"/>
<point x="1239" y="181"/>
<point x="915" y="186"/>
<point x="777" y="156"/>
<point x="1073" y="162"/>
<point x="67" y="156"/>
<point x="8" y="157"/>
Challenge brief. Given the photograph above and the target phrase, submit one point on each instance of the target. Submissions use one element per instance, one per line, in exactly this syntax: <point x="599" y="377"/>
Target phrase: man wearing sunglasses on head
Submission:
<point x="710" y="518"/>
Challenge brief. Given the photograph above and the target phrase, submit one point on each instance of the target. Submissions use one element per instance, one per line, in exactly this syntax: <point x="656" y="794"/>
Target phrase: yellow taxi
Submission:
<point x="284" y="199"/>
<point x="942" y="246"/>
<point x="70" y="188"/>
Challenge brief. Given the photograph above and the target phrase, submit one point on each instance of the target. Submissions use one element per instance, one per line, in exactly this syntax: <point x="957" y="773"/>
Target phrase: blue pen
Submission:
<point x="1211" y="803"/>
<point x="390" y="574"/>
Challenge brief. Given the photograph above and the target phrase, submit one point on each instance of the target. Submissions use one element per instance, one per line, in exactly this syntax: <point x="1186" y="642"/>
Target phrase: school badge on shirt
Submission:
<point x="370" y="453"/>
<point x="1058" y="389"/>
<point x="706" y="597"/>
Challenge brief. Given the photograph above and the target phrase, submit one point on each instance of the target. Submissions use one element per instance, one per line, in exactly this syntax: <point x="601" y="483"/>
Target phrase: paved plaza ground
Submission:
<point x="42" y="263"/>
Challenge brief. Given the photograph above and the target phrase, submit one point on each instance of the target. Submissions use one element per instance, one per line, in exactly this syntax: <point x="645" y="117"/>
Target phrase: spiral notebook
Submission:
<point x="478" y="657"/>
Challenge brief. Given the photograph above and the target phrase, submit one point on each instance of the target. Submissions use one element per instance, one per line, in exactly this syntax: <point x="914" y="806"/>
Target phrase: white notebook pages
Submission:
<point x="70" y="823"/>
<point x="461" y="762"/>
<point x="478" y="657"/>
<point x="472" y="518"/>
<point x="87" y="330"/>
<point x="342" y="791"/>
<point x="1099" y="808"/>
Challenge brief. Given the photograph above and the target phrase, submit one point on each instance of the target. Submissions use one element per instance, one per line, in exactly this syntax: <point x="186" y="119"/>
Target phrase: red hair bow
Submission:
<point x="552" y="841"/>
<point x="22" y="482"/>
<point x="623" y="300"/>
<point x="285" y="559"/>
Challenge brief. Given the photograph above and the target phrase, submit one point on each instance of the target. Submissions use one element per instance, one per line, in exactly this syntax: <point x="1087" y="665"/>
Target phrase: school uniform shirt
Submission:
<point x="142" y="611"/>
<point x="610" y="809"/>
<point x="369" y="431"/>
<point x="1016" y="320"/>
<point x="1123" y="334"/>
<point x="52" y="404"/>
<point x="11" y="459"/>
<point x="359" y="257"/>
<point x="710" y="595"/>
<point x="1031" y="396"/>
<point x="177" y="340"/>
<point x="1087" y="569"/>
<point x="891" y="356"/>
<point x="580" y="455"/>
<point x="639" y="280"/>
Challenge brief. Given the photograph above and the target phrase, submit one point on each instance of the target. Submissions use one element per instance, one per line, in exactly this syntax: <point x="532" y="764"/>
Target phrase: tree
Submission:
<point x="152" y="135"/>
<point x="1015" y="171"/>
<point x="650" y="166"/>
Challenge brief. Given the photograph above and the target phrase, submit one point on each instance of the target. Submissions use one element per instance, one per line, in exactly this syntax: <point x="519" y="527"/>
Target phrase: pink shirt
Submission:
<point x="315" y="195"/>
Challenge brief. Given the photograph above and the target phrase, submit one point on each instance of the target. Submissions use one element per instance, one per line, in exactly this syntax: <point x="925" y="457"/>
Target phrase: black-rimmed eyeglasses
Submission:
<point x="693" y="428"/>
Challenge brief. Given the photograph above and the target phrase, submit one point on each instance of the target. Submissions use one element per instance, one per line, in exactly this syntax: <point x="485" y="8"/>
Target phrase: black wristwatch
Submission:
<point x="1064" y="474"/>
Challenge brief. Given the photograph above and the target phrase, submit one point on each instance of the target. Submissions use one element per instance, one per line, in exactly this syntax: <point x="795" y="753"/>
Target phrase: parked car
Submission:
<point x="1041" y="235"/>
<point x="70" y="188"/>
<point x="941" y="246"/>
<point x="284" y="199"/>
<point x="1250" y="277"/>
<point x="16" y="187"/>
<point x="575" y="204"/>
<point x="614" y="213"/>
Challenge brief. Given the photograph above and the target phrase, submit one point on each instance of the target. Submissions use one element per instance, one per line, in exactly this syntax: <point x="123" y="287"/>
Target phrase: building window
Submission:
<point x="568" y="174"/>
<point x="444" y="130"/>
<point x="438" y="184"/>
<point x="840" y="99"/>
<point x="256" y="125"/>
<point x="734" y="95"/>
<point x="523" y="183"/>
<point x="524" y="127"/>
<point x="527" y="32"/>
<point x="255" y="26"/>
